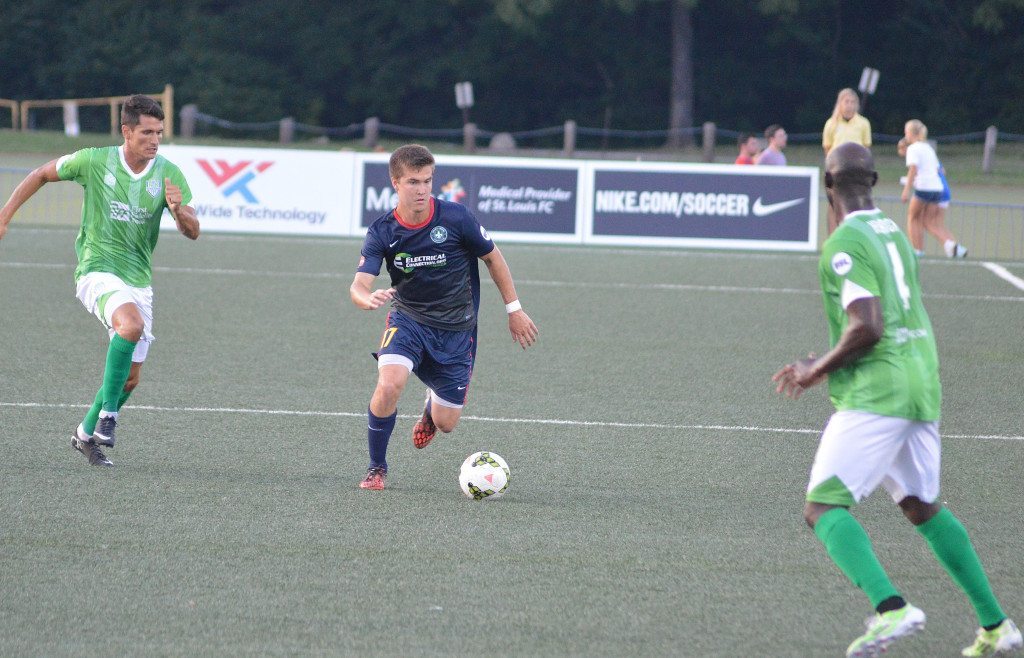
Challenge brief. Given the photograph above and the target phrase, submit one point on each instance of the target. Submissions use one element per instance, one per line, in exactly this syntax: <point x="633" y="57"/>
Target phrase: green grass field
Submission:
<point x="657" y="479"/>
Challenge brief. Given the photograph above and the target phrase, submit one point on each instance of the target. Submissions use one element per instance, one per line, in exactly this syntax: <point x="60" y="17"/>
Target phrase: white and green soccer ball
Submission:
<point x="484" y="475"/>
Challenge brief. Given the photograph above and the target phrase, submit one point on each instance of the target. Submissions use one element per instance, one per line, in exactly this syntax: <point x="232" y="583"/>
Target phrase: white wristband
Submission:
<point x="513" y="306"/>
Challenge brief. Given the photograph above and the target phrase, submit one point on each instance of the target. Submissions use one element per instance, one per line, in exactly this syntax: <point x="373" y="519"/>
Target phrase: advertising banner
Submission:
<point x="266" y="190"/>
<point x="723" y="206"/>
<point x="513" y="198"/>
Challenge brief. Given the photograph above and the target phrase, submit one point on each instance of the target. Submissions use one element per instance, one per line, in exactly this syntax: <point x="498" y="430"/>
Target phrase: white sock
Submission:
<point x="949" y="246"/>
<point x="104" y="414"/>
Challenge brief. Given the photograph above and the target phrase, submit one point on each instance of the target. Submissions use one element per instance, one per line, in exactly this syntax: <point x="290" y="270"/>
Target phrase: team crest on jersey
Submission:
<point x="153" y="187"/>
<point x="439" y="234"/>
<point x="109" y="179"/>
<point x="842" y="263"/>
<point x="483" y="232"/>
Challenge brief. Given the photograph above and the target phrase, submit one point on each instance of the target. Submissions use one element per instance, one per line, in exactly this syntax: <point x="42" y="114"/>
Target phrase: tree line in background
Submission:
<point x="624" y="64"/>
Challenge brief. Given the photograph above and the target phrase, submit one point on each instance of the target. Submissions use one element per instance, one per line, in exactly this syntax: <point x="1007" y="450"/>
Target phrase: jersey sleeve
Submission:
<point x="474" y="236"/>
<point x="828" y="133"/>
<point x="848" y="272"/>
<point x="75" y="166"/>
<point x="866" y="133"/>
<point x="371" y="256"/>
<point x="913" y="156"/>
<point x="178" y="179"/>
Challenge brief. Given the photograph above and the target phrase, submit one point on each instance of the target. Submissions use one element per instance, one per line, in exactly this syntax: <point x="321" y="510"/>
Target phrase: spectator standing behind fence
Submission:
<point x="845" y="125"/>
<point x="927" y="190"/>
<point x="775" y="136"/>
<point x="748" y="149"/>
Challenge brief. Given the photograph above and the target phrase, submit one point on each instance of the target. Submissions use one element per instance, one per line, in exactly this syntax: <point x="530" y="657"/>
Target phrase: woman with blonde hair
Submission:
<point x="845" y="125"/>
<point x="924" y="189"/>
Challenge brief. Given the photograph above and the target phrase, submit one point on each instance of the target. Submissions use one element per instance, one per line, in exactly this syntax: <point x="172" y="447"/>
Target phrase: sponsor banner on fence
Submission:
<point x="727" y="206"/>
<point x="266" y="190"/>
<point x="512" y="198"/>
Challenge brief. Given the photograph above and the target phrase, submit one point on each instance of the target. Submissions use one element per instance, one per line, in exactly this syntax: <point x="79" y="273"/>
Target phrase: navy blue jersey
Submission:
<point x="433" y="266"/>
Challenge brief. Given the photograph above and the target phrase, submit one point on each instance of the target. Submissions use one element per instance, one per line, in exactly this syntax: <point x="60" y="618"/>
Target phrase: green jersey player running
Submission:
<point x="883" y="378"/>
<point x="127" y="188"/>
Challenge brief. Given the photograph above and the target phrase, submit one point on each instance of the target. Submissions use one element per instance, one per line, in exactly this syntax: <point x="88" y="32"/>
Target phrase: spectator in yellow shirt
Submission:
<point x="845" y="125"/>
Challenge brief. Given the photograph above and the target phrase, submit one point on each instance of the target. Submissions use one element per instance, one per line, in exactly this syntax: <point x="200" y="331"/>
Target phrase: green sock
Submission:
<point x="93" y="415"/>
<point x="948" y="539"/>
<point x="850" y="548"/>
<point x="119" y="365"/>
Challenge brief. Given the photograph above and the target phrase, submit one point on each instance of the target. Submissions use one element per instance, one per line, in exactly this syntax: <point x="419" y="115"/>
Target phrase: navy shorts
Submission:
<point x="442" y="359"/>
<point x="928" y="196"/>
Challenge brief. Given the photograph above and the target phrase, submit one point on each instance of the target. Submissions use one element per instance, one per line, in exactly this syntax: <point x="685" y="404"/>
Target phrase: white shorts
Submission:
<point x="101" y="293"/>
<point x="860" y="450"/>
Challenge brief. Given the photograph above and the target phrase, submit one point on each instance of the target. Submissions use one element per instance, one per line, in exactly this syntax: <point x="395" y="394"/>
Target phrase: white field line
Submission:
<point x="484" y="419"/>
<point x="1004" y="274"/>
<point x="320" y="241"/>
<point x="530" y="282"/>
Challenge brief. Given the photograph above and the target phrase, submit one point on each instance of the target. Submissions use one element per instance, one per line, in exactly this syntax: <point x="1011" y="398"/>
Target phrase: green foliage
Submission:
<point x="534" y="63"/>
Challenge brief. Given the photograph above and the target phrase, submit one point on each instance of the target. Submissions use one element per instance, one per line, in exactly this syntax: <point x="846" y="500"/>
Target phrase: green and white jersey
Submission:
<point x="121" y="212"/>
<point x="869" y="256"/>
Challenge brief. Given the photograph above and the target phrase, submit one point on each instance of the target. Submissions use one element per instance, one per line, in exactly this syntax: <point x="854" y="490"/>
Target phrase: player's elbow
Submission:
<point x="867" y="334"/>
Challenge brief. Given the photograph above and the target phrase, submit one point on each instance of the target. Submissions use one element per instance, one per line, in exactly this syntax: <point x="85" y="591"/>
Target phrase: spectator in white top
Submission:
<point x="924" y="189"/>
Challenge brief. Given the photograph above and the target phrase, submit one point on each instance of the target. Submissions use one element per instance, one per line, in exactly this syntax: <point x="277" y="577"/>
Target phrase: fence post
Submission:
<point x="71" y="126"/>
<point x="371" y="132"/>
<point x="188" y="121"/>
<point x="115" y="118"/>
<point x="991" y="133"/>
<point x="469" y="137"/>
<point x="569" y="141"/>
<point x="709" y="141"/>
<point x="168" y="105"/>
<point x="286" y="132"/>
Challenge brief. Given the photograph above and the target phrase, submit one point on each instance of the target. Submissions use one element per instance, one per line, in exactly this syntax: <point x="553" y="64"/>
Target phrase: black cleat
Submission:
<point x="104" y="434"/>
<point x="91" y="451"/>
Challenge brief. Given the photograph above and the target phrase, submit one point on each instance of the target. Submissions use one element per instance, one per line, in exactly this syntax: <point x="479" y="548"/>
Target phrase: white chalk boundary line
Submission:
<point x="551" y="284"/>
<point x="355" y="240"/>
<point x="484" y="419"/>
<point x="1004" y="274"/>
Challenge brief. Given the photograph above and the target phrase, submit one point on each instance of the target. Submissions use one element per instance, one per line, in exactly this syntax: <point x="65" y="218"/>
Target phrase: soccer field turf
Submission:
<point x="657" y="479"/>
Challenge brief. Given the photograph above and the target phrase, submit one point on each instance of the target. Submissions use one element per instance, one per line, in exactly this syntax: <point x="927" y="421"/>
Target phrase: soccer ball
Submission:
<point x="484" y="475"/>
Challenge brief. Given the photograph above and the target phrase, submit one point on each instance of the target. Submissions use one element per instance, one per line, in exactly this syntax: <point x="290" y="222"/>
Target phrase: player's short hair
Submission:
<point x="742" y="139"/>
<point x="770" y="131"/>
<point x="408" y="157"/>
<point x="138" y="105"/>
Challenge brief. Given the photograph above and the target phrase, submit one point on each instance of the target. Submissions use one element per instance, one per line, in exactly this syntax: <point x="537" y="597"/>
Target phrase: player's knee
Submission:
<point x="917" y="511"/>
<point x="813" y="512"/>
<point x="130" y="329"/>
<point x="446" y="425"/>
<point x="389" y="391"/>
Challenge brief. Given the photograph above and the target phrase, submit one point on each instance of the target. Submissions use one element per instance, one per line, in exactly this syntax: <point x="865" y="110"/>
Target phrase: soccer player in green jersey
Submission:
<point x="127" y="188"/>
<point x="883" y="378"/>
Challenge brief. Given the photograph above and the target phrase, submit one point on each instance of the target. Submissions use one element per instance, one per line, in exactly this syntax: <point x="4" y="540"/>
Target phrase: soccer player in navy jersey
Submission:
<point x="430" y="248"/>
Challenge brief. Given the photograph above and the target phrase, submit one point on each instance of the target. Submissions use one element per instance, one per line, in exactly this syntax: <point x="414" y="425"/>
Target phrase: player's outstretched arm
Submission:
<point x="32" y="183"/>
<point x="522" y="328"/>
<point x="364" y="296"/>
<point x="184" y="216"/>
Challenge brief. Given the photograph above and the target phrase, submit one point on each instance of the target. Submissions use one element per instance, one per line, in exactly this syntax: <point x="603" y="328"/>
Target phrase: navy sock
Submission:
<point x="378" y="434"/>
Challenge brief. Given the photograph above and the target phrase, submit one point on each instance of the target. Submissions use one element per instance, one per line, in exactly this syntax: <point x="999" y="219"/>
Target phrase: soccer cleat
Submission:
<point x="884" y="628"/>
<point x="960" y="251"/>
<point x="104" y="434"/>
<point x="91" y="451"/>
<point x="374" y="479"/>
<point x="1004" y="638"/>
<point x="424" y="430"/>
